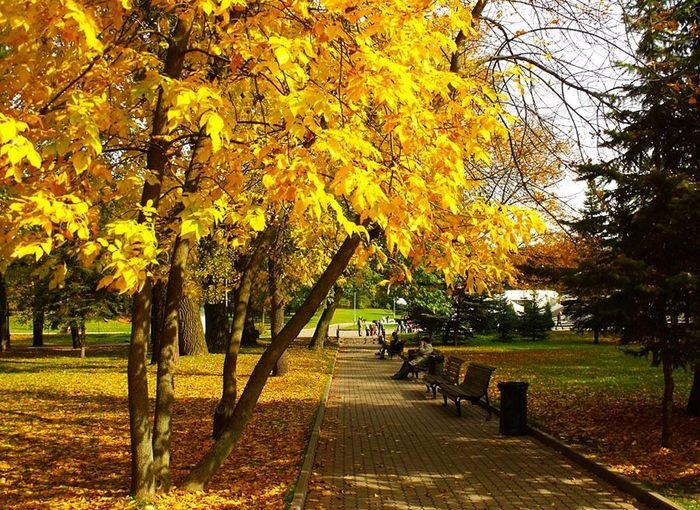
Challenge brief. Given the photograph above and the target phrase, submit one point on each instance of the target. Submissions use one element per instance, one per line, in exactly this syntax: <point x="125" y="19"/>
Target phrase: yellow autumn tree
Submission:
<point x="360" y="115"/>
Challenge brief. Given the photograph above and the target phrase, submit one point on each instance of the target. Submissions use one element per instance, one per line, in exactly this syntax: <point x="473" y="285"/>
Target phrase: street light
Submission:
<point x="354" y="305"/>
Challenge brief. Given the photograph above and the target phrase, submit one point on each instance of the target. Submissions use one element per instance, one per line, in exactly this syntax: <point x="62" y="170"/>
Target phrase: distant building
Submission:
<point x="518" y="298"/>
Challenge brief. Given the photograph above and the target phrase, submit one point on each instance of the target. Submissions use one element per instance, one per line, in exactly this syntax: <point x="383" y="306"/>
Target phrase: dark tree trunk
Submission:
<point x="37" y="325"/>
<point x="250" y="335"/>
<point x="321" y="331"/>
<point x="200" y="475"/>
<point x="75" y="334"/>
<point x="83" y="337"/>
<point x="282" y="366"/>
<point x="165" y="384"/>
<point x="667" y="402"/>
<point x="693" y="408"/>
<point x="142" y="469"/>
<point x="4" y="316"/>
<point x="216" y="331"/>
<point x="277" y="314"/>
<point x="142" y="478"/>
<point x="596" y="336"/>
<point x="191" y="333"/>
<point x="157" y="319"/>
<point x="225" y="408"/>
<point x="173" y="341"/>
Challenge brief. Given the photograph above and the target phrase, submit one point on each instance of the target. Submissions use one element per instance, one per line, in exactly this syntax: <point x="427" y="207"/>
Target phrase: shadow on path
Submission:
<point x="384" y="446"/>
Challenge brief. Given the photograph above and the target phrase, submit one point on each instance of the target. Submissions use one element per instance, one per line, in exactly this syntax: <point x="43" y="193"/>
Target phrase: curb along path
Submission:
<point x="383" y="446"/>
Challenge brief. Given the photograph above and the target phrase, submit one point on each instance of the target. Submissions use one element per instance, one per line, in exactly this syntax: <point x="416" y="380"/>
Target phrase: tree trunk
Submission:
<point x="321" y="332"/>
<point x="693" y="408"/>
<point x="281" y="366"/>
<point x="191" y="333"/>
<point x="277" y="313"/>
<point x="4" y="316"/>
<point x="667" y="403"/>
<point x="170" y="342"/>
<point x="142" y="478"/>
<point x="75" y="334"/>
<point x="201" y="474"/>
<point x="165" y="384"/>
<point x="157" y="318"/>
<point x="142" y="473"/>
<point x="216" y="331"/>
<point x="38" y="317"/>
<point x="225" y="408"/>
<point x="596" y="336"/>
<point x="83" y="337"/>
<point x="250" y="335"/>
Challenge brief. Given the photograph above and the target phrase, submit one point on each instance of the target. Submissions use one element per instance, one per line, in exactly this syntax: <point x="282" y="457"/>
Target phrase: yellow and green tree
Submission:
<point x="354" y="118"/>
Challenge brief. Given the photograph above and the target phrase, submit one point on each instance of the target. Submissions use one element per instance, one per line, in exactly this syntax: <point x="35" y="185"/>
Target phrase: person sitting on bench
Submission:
<point x="383" y="347"/>
<point x="420" y="360"/>
<point x="392" y="347"/>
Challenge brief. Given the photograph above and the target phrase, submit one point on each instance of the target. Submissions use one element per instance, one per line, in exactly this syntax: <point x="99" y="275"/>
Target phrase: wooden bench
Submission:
<point x="450" y="374"/>
<point x="474" y="387"/>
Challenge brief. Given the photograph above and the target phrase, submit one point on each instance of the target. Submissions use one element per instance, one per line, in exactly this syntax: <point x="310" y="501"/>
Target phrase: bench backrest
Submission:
<point x="476" y="380"/>
<point x="452" y="368"/>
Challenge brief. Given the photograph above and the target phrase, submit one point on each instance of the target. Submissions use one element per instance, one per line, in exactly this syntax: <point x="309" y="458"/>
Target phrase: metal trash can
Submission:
<point x="513" y="408"/>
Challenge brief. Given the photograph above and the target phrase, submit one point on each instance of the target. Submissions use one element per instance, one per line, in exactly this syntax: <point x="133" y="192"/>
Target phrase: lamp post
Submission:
<point x="394" y="309"/>
<point x="354" y="305"/>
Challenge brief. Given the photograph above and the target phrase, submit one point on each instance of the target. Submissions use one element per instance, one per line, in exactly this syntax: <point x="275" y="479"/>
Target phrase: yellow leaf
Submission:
<point x="282" y="55"/>
<point x="256" y="219"/>
<point x="215" y="124"/>
<point x="81" y="161"/>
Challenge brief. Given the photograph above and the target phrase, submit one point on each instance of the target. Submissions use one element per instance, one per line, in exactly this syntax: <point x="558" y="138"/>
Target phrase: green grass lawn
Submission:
<point x="342" y="315"/>
<point x="347" y="317"/>
<point x="62" y="340"/>
<point x="113" y="326"/>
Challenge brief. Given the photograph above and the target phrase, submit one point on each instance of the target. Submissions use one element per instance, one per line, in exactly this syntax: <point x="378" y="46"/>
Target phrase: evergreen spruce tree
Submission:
<point x="534" y="324"/>
<point x="507" y="320"/>
<point x="649" y="251"/>
<point x="587" y="283"/>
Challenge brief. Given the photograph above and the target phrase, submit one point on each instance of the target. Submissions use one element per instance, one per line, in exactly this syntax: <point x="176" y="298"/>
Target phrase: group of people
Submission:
<point x="405" y="326"/>
<point x="393" y="346"/>
<point x="374" y="328"/>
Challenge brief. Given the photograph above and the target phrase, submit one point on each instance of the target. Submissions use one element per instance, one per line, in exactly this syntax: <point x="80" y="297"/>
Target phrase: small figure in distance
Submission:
<point x="383" y="347"/>
<point x="420" y="360"/>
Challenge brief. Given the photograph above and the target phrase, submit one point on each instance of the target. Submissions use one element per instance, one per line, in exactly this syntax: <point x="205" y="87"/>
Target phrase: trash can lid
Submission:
<point x="512" y="384"/>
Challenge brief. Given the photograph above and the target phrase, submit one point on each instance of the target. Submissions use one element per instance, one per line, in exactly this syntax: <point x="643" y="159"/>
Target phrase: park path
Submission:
<point x="383" y="446"/>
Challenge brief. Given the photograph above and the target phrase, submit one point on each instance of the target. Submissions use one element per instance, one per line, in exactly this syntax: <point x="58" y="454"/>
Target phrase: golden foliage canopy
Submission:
<point x="345" y="112"/>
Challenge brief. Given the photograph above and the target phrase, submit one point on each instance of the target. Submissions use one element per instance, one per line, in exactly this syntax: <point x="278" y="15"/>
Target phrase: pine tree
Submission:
<point x="649" y="252"/>
<point x="586" y="283"/>
<point x="507" y="320"/>
<point x="535" y="323"/>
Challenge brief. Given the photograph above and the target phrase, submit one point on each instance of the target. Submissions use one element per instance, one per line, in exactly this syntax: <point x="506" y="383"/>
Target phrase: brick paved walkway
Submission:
<point x="384" y="446"/>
